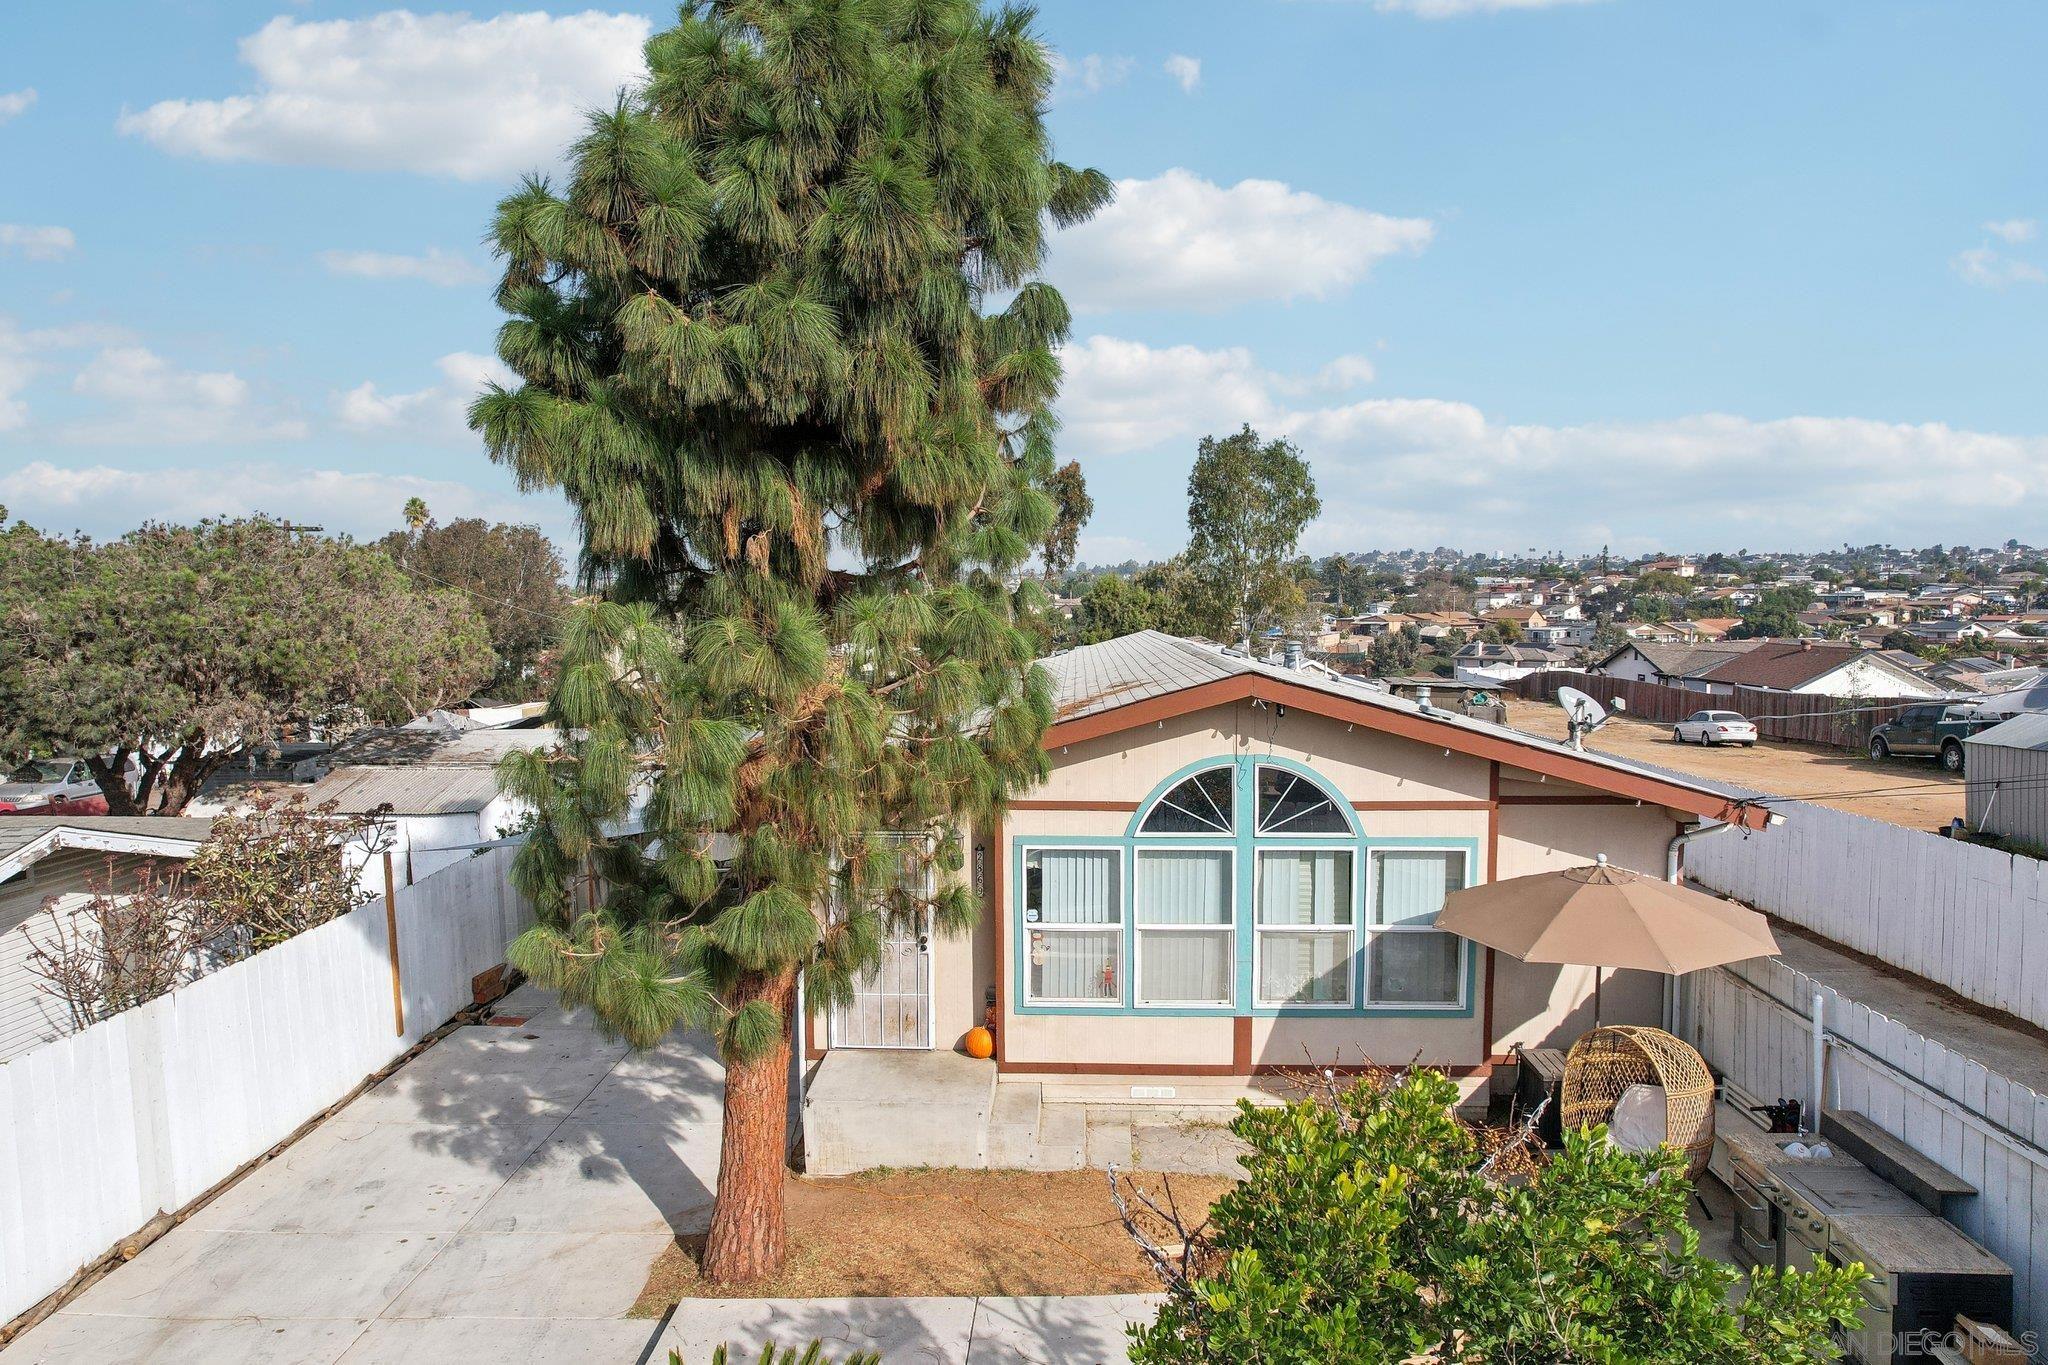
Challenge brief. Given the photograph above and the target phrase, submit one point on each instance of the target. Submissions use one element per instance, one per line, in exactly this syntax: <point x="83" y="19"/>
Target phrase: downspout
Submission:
<point x="1674" y="854"/>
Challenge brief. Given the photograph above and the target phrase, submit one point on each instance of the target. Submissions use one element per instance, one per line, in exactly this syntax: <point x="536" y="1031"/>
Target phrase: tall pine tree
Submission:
<point x="759" y="356"/>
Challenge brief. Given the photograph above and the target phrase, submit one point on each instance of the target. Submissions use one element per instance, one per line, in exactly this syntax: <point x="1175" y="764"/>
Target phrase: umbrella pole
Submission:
<point x="1598" y="972"/>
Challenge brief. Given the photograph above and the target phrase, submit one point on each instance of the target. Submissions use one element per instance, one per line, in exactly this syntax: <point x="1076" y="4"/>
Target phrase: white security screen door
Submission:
<point x="892" y="1004"/>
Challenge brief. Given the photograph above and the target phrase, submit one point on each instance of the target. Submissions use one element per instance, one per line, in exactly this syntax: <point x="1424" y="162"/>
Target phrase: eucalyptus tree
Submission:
<point x="760" y="351"/>
<point x="1248" y="500"/>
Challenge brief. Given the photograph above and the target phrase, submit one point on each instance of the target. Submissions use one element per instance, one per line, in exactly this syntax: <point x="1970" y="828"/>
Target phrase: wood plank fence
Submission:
<point x="149" y="1109"/>
<point x="1802" y="718"/>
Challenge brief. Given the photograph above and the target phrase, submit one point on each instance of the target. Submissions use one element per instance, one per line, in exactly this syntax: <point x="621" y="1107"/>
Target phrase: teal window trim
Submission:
<point x="1247" y="844"/>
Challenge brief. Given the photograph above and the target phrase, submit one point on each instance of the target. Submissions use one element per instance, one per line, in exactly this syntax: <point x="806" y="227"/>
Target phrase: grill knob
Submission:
<point x="1813" y="1227"/>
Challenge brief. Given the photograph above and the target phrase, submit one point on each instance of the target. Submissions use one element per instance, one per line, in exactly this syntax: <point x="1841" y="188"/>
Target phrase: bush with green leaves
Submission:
<point x="1370" y="1228"/>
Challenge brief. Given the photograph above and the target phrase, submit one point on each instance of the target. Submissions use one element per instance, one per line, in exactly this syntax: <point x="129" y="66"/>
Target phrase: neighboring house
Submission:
<point x="441" y="786"/>
<point x="2007" y="791"/>
<point x="1713" y="627"/>
<point x="1672" y="664"/>
<point x="1556" y="634"/>
<point x="1947" y="630"/>
<point x="1489" y="665"/>
<point x="1815" y="669"/>
<point x="64" y="858"/>
<point x="1232" y="869"/>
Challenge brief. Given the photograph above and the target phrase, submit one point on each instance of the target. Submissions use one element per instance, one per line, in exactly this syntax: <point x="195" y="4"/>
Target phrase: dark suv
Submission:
<point x="1932" y="731"/>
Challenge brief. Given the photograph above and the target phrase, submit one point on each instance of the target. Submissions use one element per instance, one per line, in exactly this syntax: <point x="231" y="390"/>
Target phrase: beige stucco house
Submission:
<point x="1234" y="867"/>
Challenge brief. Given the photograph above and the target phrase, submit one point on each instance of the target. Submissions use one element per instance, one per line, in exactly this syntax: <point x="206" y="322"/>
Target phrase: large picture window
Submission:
<point x="1073" y="926"/>
<point x="1186" y="928"/>
<point x="1305" y="933"/>
<point x="1410" y="961"/>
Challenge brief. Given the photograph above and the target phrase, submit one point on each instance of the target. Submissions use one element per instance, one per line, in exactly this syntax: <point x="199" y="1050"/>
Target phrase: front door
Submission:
<point x="892" y="1004"/>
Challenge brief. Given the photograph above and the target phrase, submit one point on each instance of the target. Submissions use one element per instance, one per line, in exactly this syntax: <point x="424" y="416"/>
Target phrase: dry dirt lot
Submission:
<point x="1828" y="777"/>
<point x="933" y="1232"/>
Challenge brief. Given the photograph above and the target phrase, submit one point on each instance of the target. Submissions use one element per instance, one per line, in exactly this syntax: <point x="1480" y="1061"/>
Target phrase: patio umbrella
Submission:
<point x="1604" y="916"/>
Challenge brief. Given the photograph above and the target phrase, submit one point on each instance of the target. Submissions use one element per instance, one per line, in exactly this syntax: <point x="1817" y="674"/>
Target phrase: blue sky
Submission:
<point x="1513" y="273"/>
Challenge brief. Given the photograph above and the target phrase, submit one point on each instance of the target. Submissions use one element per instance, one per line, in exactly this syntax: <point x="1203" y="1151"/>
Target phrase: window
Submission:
<point x="1073" y="925"/>
<point x="1411" y="962"/>
<point x="1201" y="805"/>
<point x="1186" y="931"/>
<point x="1304" y="927"/>
<point x="1292" y="804"/>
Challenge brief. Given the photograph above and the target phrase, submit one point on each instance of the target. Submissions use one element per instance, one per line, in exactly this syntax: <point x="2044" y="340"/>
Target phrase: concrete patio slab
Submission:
<point x="866" y="1109"/>
<point x="207" y="1273"/>
<point x="485" y="1075"/>
<point x="609" y="1177"/>
<point x="1187" y="1149"/>
<point x="501" y="1341"/>
<point x="1055" y="1331"/>
<point x="67" y="1339"/>
<point x="926" y="1331"/>
<point x="531" y="1275"/>
<point x="351" y="1176"/>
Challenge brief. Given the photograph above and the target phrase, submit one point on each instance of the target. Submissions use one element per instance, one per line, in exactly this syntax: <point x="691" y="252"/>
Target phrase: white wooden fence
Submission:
<point x="101" y="1130"/>
<point x="1969" y="917"/>
<point x="1749" y="1020"/>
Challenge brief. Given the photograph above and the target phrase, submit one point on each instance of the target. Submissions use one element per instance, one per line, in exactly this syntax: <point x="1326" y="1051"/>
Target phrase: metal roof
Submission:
<point x="2029" y="731"/>
<point x="1096" y="678"/>
<point x="437" y="748"/>
<point x="408" y="791"/>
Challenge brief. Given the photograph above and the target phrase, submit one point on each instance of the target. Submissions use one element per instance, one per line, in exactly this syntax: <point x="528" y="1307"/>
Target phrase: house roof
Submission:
<point x="427" y="790"/>
<point x="1794" y="663"/>
<point x="436" y="748"/>
<point x="1137" y="679"/>
<point x="27" y="839"/>
<point x="1687" y="660"/>
<point x="2021" y="732"/>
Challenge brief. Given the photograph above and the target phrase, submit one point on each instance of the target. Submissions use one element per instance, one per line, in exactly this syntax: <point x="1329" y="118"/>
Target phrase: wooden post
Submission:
<point x="391" y="937"/>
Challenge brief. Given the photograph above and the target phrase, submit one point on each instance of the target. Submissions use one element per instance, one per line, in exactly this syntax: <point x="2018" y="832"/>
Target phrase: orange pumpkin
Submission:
<point x="980" y="1043"/>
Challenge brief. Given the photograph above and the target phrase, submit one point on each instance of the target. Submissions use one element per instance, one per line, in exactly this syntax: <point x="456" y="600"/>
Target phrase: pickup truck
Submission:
<point x="1936" y="730"/>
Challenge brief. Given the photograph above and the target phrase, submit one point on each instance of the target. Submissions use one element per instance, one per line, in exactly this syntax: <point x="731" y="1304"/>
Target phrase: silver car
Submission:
<point x="1714" y="727"/>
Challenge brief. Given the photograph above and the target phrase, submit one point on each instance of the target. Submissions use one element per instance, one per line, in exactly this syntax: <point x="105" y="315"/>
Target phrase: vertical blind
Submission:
<point x="1184" y="886"/>
<point x="1411" y="885"/>
<point x="1310" y="891"/>
<point x="1305" y="887"/>
<point x="1082" y="888"/>
<point x="1181" y="894"/>
<point x="1411" y="963"/>
<point x="1077" y="886"/>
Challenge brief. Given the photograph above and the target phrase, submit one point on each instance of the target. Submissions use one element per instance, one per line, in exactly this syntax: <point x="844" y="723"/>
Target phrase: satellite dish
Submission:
<point x="1583" y="715"/>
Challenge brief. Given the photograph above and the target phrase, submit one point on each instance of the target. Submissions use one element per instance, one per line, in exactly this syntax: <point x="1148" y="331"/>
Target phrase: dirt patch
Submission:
<point x="1828" y="777"/>
<point x="908" y="1233"/>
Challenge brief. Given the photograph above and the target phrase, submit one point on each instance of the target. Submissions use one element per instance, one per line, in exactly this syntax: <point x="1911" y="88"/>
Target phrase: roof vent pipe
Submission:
<point x="1422" y="698"/>
<point x="1291" y="653"/>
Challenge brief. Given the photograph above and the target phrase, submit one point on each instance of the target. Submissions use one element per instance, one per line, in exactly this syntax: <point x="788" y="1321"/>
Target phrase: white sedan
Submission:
<point x="1714" y="727"/>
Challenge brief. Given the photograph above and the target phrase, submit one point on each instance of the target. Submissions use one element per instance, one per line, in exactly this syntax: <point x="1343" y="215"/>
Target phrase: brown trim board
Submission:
<point x="1075" y="805"/>
<point x="998" y="859"/>
<point x="1423" y="729"/>
<point x="1492" y="874"/>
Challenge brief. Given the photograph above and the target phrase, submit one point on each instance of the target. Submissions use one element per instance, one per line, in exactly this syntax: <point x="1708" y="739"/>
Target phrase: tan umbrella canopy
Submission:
<point x="1605" y="916"/>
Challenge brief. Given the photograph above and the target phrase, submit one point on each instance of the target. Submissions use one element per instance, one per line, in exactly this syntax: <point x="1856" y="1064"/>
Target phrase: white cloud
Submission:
<point x="146" y="399"/>
<point x="2013" y="231"/>
<point x="438" y="94"/>
<point x="434" y="266"/>
<point x="1179" y="241"/>
<point x="1454" y="9"/>
<point x="1981" y="265"/>
<point x="437" y="413"/>
<point x="37" y="243"/>
<point x="1430" y="471"/>
<point x="1187" y="71"/>
<point x="25" y="353"/>
<point x="106" y="500"/>
<point x="1090" y="75"/>
<point x="16" y="102"/>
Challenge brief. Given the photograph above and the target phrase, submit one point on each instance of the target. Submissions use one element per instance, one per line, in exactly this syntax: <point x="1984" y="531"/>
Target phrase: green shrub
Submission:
<point x="1370" y="1229"/>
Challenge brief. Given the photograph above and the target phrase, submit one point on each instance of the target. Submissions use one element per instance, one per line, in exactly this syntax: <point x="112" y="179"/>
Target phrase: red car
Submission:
<point x="52" y="786"/>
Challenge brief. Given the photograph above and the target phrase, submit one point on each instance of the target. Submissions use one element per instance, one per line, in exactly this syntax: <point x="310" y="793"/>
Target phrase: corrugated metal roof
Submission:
<point x="408" y="791"/>
<point x="1103" y="677"/>
<point x="19" y="831"/>
<point x="2029" y="731"/>
<point x="437" y="748"/>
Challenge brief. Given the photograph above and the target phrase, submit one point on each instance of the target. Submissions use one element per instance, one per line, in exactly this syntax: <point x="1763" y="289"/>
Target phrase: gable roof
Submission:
<point x="1149" y="676"/>
<point x="1686" y="660"/>
<point x="27" y="839"/>
<point x="1794" y="663"/>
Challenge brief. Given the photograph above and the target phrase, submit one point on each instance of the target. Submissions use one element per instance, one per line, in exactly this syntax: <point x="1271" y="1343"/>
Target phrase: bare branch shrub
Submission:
<point x="131" y="941"/>
<point x="281" y="867"/>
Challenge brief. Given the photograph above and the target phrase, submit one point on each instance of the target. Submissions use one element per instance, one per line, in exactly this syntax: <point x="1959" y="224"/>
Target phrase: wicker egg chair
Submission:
<point x="1609" y="1060"/>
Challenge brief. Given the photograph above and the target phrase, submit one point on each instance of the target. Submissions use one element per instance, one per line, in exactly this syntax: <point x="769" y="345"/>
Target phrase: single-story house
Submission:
<point x="1233" y="869"/>
<point x="441" y="787"/>
<point x="1816" y="669"/>
<point x="1489" y="665"/>
<point x="1672" y="664"/>
<point x="62" y="859"/>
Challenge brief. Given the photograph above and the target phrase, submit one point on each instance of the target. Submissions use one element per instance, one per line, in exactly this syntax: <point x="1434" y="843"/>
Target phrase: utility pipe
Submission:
<point x="1820" y="1055"/>
<point x="1674" y="854"/>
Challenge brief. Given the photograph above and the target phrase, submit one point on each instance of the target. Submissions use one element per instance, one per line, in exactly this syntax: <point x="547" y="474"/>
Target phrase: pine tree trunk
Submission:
<point x="746" y="1241"/>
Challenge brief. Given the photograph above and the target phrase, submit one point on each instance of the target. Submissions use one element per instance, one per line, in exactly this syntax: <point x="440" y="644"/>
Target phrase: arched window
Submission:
<point x="1202" y="804"/>
<point x="1292" y="804"/>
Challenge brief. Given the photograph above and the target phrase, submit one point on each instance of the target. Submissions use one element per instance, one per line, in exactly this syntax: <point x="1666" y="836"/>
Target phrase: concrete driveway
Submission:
<point x="500" y="1199"/>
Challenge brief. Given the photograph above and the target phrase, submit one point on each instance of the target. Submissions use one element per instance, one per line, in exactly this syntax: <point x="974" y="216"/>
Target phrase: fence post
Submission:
<point x="391" y="937"/>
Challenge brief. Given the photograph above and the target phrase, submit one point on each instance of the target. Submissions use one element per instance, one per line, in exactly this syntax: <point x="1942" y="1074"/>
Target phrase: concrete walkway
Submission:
<point x="1050" y="1331"/>
<point x="499" y="1199"/>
